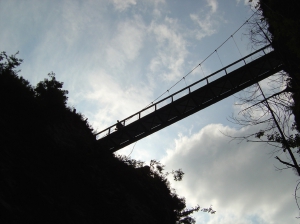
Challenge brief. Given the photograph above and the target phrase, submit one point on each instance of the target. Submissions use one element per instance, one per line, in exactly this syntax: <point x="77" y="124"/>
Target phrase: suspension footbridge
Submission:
<point x="191" y="99"/>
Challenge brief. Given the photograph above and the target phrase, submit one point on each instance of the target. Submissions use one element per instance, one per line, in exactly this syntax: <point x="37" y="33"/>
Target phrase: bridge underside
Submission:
<point x="199" y="99"/>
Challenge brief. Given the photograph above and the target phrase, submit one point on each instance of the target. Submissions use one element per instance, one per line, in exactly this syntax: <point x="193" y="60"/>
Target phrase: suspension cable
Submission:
<point x="199" y="65"/>
<point x="202" y="71"/>
<point x="237" y="46"/>
<point x="184" y="81"/>
<point x="219" y="58"/>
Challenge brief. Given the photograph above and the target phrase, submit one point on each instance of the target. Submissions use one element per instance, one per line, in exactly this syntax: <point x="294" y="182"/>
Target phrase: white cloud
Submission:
<point x="252" y="3"/>
<point x="208" y="21"/>
<point x="156" y="13"/>
<point x="237" y="179"/>
<point x="111" y="100"/>
<point x="156" y="2"/>
<point x="206" y="24"/>
<point x="127" y="43"/>
<point x="122" y="5"/>
<point x="171" y="49"/>
<point x="90" y="56"/>
<point x="213" y="4"/>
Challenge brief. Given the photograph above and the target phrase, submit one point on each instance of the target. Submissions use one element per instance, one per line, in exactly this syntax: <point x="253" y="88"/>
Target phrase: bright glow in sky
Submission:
<point x="116" y="56"/>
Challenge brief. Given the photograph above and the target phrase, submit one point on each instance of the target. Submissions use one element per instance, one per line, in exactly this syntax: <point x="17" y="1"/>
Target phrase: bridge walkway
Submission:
<point x="191" y="99"/>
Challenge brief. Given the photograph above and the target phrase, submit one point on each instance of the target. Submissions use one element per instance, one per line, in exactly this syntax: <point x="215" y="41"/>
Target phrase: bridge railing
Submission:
<point x="196" y="85"/>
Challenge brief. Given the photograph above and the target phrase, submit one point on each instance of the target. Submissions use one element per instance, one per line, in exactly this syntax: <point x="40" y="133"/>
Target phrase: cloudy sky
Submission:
<point x="116" y="56"/>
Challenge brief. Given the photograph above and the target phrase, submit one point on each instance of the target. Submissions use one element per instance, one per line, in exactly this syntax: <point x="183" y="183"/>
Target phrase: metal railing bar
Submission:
<point x="171" y="96"/>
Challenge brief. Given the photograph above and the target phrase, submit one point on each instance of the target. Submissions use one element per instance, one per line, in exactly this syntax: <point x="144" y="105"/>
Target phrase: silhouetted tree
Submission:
<point x="16" y="89"/>
<point x="273" y="111"/>
<point x="50" y="93"/>
<point x="156" y="172"/>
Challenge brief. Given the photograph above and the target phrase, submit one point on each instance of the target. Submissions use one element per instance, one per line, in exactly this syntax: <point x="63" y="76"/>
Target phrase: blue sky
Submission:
<point x="117" y="56"/>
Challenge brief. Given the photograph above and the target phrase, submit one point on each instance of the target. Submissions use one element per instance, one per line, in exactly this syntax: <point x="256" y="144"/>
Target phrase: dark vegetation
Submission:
<point x="283" y="24"/>
<point x="51" y="170"/>
<point x="278" y="24"/>
<point x="276" y="109"/>
<point x="283" y="21"/>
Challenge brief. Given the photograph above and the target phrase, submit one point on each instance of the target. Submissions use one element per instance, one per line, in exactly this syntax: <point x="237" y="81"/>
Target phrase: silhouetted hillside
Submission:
<point x="51" y="171"/>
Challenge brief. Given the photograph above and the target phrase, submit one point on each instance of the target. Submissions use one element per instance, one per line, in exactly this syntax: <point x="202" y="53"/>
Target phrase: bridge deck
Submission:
<point x="156" y="116"/>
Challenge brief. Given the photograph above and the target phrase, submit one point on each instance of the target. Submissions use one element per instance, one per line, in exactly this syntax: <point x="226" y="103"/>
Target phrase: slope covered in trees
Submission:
<point x="52" y="172"/>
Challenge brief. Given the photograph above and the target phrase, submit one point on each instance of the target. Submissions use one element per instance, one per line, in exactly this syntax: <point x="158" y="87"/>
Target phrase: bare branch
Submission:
<point x="286" y="163"/>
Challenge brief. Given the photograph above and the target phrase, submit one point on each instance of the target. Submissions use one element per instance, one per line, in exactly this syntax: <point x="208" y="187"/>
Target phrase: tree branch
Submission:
<point x="286" y="163"/>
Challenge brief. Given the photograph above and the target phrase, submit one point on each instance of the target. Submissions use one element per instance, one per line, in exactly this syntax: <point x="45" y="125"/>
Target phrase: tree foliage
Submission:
<point x="277" y="22"/>
<point x="53" y="171"/>
<point x="156" y="172"/>
<point x="50" y="93"/>
<point x="283" y="22"/>
<point x="274" y="111"/>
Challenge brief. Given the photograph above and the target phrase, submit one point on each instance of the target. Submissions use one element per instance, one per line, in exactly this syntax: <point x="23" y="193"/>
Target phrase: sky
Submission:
<point x="115" y="57"/>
